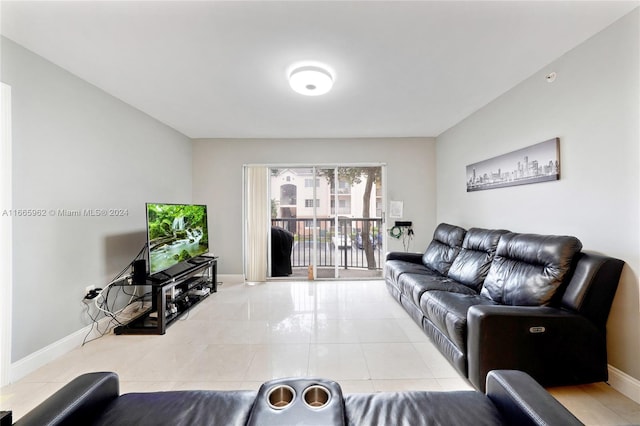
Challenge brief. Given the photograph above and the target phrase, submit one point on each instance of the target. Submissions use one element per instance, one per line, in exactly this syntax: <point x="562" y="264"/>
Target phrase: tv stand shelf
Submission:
<point x="172" y="296"/>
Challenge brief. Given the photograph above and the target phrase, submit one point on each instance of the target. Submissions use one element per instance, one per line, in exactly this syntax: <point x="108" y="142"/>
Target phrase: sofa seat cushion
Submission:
<point x="414" y="285"/>
<point x="471" y="266"/>
<point x="443" y="249"/>
<point x="528" y="269"/>
<point x="175" y="408"/>
<point x="421" y="408"/>
<point x="448" y="312"/>
<point x="394" y="268"/>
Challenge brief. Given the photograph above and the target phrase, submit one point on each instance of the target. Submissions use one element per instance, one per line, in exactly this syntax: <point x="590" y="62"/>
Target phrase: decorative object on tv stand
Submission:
<point x="534" y="164"/>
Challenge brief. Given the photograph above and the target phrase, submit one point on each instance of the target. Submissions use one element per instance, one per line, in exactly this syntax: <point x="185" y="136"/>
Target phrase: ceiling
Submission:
<point x="214" y="69"/>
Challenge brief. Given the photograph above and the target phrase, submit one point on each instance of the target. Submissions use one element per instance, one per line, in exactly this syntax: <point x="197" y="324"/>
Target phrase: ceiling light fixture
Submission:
<point x="311" y="80"/>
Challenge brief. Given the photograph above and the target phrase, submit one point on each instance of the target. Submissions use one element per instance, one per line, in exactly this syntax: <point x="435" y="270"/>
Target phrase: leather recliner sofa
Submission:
<point x="493" y="299"/>
<point x="512" y="398"/>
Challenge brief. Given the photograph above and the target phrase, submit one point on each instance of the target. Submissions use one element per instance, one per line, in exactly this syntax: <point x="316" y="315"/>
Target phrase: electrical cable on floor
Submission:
<point x="100" y="301"/>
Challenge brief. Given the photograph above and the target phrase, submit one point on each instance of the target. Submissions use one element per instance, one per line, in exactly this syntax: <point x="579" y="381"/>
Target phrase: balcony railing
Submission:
<point x="341" y="210"/>
<point x="347" y="237"/>
<point x="342" y="190"/>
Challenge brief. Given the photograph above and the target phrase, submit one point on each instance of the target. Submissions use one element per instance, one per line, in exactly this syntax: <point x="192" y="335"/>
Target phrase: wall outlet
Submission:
<point x="87" y="291"/>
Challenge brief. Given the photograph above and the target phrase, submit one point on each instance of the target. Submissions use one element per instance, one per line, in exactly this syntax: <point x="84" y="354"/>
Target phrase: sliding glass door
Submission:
<point x="333" y="216"/>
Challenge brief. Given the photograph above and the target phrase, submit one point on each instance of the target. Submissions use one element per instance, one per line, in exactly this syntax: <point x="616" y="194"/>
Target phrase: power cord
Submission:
<point x="406" y="239"/>
<point x="404" y="232"/>
<point x="99" y="298"/>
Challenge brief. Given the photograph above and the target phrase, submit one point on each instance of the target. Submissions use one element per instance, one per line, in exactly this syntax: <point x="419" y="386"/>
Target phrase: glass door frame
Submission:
<point x="335" y="217"/>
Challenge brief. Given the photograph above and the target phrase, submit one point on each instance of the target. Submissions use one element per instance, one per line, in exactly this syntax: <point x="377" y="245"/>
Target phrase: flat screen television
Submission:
<point x="175" y="234"/>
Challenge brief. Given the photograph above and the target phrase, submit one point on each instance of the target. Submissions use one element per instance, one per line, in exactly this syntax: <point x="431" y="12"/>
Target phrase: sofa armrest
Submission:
<point x="552" y="345"/>
<point x="522" y="401"/>
<point x="407" y="257"/>
<point x="78" y="402"/>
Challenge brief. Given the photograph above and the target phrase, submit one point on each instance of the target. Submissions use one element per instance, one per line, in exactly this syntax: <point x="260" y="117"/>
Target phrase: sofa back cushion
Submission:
<point x="471" y="265"/>
<point x="528" y="269"/>
<point x="443" y="249"/>
<point x="592" y="286"/>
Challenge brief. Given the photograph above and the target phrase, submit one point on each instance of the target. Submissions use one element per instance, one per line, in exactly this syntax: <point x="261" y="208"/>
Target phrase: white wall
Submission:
<point x="76" y="147"/>
<point x="217" y="170"/>
<point x="593" y="108"/>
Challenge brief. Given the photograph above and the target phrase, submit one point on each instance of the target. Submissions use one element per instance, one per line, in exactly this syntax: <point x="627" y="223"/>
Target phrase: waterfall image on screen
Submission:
<point x="176" y="233"/>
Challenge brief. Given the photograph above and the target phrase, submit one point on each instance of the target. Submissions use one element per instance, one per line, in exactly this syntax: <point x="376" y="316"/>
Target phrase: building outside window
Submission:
<point x="308" y="183"/>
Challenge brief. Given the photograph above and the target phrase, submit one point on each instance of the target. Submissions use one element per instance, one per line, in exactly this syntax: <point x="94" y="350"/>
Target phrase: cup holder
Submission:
<point x="280" y="396"/>
<point x="316" y="396"/>
<point x="289" y="401"/>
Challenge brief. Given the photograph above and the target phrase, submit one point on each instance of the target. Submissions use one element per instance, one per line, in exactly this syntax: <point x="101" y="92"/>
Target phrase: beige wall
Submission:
<point x="76" y="147"/>
<point x="593" y="108"/>
<point x="217" y="180"/>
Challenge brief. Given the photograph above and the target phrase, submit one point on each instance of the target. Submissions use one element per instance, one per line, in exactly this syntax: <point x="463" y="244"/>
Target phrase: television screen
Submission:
<point x="176" y="233"/>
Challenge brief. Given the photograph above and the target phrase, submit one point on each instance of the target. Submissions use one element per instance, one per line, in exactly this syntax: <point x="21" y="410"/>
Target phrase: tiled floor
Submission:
<point x="349" y="331"/>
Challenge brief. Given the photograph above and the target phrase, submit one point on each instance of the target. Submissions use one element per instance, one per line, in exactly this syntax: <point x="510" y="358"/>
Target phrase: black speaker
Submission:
<point x="139" y="271"/>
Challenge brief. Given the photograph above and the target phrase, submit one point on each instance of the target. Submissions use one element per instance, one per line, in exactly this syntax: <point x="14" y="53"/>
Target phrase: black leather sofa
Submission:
<point x="512" y="398"/>
<point x="492" y="299"/>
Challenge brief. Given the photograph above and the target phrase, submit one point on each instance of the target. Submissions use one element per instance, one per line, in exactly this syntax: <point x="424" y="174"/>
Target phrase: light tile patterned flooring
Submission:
<point x="352" y="332"/>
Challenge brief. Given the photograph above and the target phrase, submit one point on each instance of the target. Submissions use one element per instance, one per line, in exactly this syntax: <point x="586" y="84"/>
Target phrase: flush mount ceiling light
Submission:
<point x="310" y="80"/>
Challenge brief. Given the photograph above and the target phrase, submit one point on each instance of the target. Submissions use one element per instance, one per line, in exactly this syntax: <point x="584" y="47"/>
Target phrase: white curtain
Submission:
<point x="257" y="225"/>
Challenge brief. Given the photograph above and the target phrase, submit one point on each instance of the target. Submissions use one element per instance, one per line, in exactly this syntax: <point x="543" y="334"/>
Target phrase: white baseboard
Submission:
<point x="625" y="384"/>
<point x="32" y="362"/>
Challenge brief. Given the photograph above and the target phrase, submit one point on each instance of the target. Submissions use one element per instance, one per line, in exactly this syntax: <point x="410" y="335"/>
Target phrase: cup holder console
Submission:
<point x="280" y="396"/>
<point x="298" y="401"/>
<point x="316" y="396"/>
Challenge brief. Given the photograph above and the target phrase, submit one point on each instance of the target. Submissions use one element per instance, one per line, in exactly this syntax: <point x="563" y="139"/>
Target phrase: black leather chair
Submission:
<point x="512" y="398"/>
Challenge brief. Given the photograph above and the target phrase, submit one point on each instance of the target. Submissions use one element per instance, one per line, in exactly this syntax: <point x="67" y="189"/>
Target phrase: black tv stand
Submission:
<point x="173" y="293"/>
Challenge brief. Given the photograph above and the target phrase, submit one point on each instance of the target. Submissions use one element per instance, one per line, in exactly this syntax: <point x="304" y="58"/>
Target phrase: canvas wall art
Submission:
<point x="533" y="164"/>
